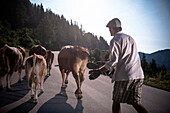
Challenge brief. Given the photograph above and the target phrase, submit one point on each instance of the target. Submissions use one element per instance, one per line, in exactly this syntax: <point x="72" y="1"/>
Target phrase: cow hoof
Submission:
<point x="35" y="101"/>
<point x="32" y="96"/>
<point x="78" y="92"/>
<point x="19" y="81"/>
<point x="63" y="87"/>
<point x="66" y="81"/>
<point x="42" y="90"/>
<point x="9" y="89"/>
<point x="80" y="96"/>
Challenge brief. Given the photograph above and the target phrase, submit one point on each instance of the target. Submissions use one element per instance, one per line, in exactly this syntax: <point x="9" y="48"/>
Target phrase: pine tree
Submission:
<point x="154" y="67"/>
<point x="145" y="66"/>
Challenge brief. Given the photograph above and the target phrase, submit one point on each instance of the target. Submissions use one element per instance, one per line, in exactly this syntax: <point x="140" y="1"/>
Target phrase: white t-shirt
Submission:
<point x="124" y="58"/>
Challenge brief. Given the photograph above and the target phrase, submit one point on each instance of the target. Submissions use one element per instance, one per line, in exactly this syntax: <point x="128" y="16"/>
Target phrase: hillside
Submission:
<point x="25" y="24"/>
<point x="161" y="57"/>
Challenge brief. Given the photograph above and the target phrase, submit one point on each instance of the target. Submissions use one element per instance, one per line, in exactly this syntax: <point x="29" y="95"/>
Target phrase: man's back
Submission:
<point x="128" y="66"/>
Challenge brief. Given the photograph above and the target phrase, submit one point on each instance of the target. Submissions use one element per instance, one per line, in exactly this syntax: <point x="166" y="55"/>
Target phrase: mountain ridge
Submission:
<point x="162" y="57"/>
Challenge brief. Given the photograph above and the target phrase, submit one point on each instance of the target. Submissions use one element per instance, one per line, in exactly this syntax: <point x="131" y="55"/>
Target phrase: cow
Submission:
<point x="49" y="60"/>
<point x="22" y="50"/>
<point x="73" y="59"/>
<point x="11" y="61"/>
<point x="35" y="69"/>
<point x="39" y="50"/>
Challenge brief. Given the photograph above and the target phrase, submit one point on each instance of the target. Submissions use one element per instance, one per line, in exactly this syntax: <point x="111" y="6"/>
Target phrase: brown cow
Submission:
<point x="22" y="50"/>
<point x="73" y="59"/>
<point x="35" y="69"/>
<point x="50" y="58"/>
<point x="11" y="61"/>
<point x="39" y="50"/>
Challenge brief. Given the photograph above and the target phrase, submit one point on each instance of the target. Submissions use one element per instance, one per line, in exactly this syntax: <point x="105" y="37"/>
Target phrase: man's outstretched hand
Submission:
<point x="94" y="74"/>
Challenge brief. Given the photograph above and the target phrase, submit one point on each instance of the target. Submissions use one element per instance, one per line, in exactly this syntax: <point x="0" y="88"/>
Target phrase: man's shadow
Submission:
<point x="58" y="104"/>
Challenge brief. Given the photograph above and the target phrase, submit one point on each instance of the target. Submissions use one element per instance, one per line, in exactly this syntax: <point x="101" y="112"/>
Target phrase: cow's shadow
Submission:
<point x="59" y="104"/>
<point x="18" y="91"/>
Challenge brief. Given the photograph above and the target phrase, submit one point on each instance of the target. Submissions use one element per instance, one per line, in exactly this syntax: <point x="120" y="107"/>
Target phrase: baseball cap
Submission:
<point x="114" y="23"/>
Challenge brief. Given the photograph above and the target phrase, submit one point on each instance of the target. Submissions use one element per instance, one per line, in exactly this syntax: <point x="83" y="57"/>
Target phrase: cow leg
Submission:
<point x="1" y="87"/>
<point x="32" y="89"/>
<point x="48" y="71"/>
<point x="8" y="75"/>
<point x="78" y="91"/>
<point x="36" y="92"/>
<point x="81" y="75"/>
<point x="66" y="81"/>
<point x="28" y="74"/>
<point x="49" y="68"/>
<point x="42" y="85"/>
<point x="8" y="81"/>
<point x="77" y="79"/>
<point x="19" y="73"/>
<point x="63" y="79"/>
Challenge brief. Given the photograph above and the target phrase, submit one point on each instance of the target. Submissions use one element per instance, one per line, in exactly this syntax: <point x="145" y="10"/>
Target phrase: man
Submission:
<point x="128" y="75"/>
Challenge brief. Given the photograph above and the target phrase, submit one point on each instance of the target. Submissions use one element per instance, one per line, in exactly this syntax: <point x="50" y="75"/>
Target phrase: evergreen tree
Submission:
<point x="162" y="69"/>
<point x="145" y="66"/>
<point x="154" y="67"/>
<point x="103" y="44"/>
<point x="97" y="54"/>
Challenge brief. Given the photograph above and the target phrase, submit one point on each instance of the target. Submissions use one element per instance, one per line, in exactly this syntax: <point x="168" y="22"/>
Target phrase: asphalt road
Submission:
<point x="97" y="96"/>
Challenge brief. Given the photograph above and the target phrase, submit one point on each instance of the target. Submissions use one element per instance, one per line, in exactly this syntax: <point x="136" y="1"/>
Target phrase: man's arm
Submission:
<point x="110" y="64"/>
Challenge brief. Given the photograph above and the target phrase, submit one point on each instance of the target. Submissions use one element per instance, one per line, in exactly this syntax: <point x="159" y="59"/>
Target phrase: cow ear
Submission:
<point x="92" y="66"/>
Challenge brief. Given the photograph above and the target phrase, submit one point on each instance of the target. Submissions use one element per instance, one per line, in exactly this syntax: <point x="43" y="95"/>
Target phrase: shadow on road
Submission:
<point x="19" y="90"/>
<point x="23" y="108"/>
<point x="59" y="104"/>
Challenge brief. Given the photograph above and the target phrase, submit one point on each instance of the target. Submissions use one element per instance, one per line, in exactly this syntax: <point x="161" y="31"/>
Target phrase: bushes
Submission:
<point x="155" y="76"/>
<point x="98" y="55"/>
<point x="156" y="82"/>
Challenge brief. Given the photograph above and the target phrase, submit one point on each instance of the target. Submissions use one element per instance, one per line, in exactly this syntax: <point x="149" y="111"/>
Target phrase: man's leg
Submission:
<point x="116" y="107"/>
<point x="140" y="108"/>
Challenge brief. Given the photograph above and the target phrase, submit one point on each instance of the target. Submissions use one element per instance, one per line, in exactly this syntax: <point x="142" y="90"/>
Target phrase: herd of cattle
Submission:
<point x="70" y="58"/>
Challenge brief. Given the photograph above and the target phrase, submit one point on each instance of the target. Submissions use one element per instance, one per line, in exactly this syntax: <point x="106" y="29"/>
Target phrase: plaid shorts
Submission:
<point x="128" y="91"/>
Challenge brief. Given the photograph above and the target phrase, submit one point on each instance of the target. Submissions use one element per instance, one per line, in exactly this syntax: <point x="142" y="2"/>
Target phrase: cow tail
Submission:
<point x="33" y="70"/>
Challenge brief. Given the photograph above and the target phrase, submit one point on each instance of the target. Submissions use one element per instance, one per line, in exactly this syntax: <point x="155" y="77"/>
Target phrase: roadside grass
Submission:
<point x="157" y="83"/>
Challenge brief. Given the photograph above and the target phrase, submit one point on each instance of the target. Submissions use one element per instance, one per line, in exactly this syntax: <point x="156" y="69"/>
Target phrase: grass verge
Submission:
<point x="161" y="84"/>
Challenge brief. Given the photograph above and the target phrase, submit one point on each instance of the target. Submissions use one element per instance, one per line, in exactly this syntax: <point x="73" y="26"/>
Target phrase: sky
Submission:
<point x="147" y="21"/>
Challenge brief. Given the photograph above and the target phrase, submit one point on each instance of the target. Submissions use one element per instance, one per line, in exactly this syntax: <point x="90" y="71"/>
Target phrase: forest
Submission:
<point x="26" y="24"/>
<point x="156" y="76"/>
